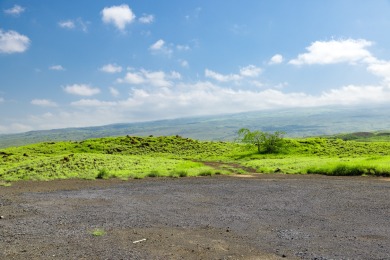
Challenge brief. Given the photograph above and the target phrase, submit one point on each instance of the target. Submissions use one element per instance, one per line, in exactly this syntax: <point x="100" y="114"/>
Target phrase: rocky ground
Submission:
<point x="222" y="217"/>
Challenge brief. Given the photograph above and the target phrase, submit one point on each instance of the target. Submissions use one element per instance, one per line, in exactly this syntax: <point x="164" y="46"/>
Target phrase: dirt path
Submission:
<point x="222" y="217"/>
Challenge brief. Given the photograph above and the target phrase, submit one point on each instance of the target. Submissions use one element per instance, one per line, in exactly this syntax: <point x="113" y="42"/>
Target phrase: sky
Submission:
<point x="87" y="63"/>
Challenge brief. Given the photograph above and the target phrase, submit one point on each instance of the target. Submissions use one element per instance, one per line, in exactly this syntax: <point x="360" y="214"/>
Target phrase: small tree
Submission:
<point x="265" y="142"/>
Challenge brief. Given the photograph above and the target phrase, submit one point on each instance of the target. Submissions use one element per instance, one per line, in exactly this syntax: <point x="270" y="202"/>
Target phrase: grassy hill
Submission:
<point x="295" y="122"/>
<point x="175" y="156"/>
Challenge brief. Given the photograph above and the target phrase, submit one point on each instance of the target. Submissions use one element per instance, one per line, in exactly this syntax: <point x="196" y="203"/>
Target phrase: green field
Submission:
<point x="175" y="156"/>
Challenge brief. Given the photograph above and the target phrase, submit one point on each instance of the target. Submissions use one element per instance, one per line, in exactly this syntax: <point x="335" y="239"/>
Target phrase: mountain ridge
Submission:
<point x="300" y="122"/>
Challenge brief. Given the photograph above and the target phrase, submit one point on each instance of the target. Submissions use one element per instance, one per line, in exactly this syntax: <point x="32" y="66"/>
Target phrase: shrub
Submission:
<point x="103" y="174"/>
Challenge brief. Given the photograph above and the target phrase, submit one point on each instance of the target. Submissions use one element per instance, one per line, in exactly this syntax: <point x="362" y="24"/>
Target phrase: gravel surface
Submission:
<point x="222" y="217"/>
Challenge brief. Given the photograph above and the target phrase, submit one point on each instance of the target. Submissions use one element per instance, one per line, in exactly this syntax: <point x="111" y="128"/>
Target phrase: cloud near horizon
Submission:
<point x="44" y="103"/>
<point x="250" y="71"/>
<point x="81" y="90"/>
<point x="197" y="99"/>
<point x="152" y="78"/>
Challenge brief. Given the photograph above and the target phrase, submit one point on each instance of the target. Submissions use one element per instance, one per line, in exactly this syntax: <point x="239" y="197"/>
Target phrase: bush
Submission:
<point x="103" y="174"/>
<point x="265" y="142"/>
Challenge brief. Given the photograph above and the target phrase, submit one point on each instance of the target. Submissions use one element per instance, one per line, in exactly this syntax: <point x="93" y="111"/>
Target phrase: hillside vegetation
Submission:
<point x="174" y="156"/>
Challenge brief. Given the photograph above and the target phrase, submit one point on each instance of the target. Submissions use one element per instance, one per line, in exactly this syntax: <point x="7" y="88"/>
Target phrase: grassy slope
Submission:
<point x="137" y="157"/>
<point x="123" y="157"/>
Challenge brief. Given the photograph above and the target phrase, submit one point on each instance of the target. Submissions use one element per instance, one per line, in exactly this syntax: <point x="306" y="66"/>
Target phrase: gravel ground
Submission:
<point x="222" y="217"/>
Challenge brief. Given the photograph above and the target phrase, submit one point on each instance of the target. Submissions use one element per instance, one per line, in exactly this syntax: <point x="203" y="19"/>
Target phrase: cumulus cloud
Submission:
<point x="276" y="59"/>
<point x="345" y="51"/>
<point x="81" y="90"/>
<point x="111" y="68"/>
<point x="160" y="47"/>
<point x="220" y="77"/>
<point x="16" y="10"/>
<point x="57" y="68"/>
<point x="250" y="71"/>
<point x="153" y="78"/>
<point x="334" y="51"/>
<point x="205" y="98"/>
<point x="199" y="98"/>
<point x="380" y="68"/>
<point x="146" y="18"/>
<point x="92" y="103"/>
<point x="74" y="24"/>
<point x="68" y="24"/>
<point x="119" y="16"/>
<point x="43" y="103"/>
<point x="13" y="42"/>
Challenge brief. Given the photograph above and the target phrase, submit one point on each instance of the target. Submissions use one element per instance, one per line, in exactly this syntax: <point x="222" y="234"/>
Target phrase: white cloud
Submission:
<point x="92" y="103"/>
<point x="56" y="67"/>
<point x="200" y="98"/>
<point x="111" y="68"/>
<point x="156" y="78"/>
<point x="347" y="51"/>
<point x="220" y="77"/>
<point x="15" y="10"/>
<point x="380" y="68"/>
<point x="153" y="78"/>
<point x="74" y="24"/>
<point x="132" y="78"/>
<point x="81" y="90"/>
<point x="250" y="71"/>
<point x="146" y="18"/>
<point x="160" y="47"/>
<point x="43" y="103"/>
<point x="175" y="75"/>
<point x="1" y="100"/>
<point x="68" y="24"/>
<point x="276" y="59"/>
<point x="120" y="16"/>
<point x="13" y="42"/>
<point x="334" y="51"/>
<point x="114" y="92"/>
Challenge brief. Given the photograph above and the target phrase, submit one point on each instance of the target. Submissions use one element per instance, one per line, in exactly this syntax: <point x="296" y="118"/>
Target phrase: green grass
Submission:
<point x="98" y="232"/>
<point x="173" y="156"/>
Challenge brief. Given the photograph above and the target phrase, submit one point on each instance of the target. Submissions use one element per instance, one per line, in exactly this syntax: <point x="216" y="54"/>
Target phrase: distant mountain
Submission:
<point x="295" y="122"/>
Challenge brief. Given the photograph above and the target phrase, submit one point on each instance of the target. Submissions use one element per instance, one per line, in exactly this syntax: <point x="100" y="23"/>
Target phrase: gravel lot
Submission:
<point x="222" y="217"/>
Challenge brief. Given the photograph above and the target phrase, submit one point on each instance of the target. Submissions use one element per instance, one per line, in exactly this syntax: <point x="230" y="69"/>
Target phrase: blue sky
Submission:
<point x="83" y="63"/>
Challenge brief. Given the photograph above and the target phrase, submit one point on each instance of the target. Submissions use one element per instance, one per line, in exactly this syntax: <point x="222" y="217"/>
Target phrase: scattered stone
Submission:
<point x="1" y="217"/>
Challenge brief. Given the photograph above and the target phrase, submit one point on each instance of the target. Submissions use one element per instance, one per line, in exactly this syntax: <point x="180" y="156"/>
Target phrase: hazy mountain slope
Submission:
<point x="295" y="122"/>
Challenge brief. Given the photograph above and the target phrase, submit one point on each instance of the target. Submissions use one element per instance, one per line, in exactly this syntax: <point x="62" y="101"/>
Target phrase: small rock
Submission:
<point x="1" y="217"/>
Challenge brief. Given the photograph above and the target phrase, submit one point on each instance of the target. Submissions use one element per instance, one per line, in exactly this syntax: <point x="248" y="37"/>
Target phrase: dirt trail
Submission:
<point x="270" y="216"/>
